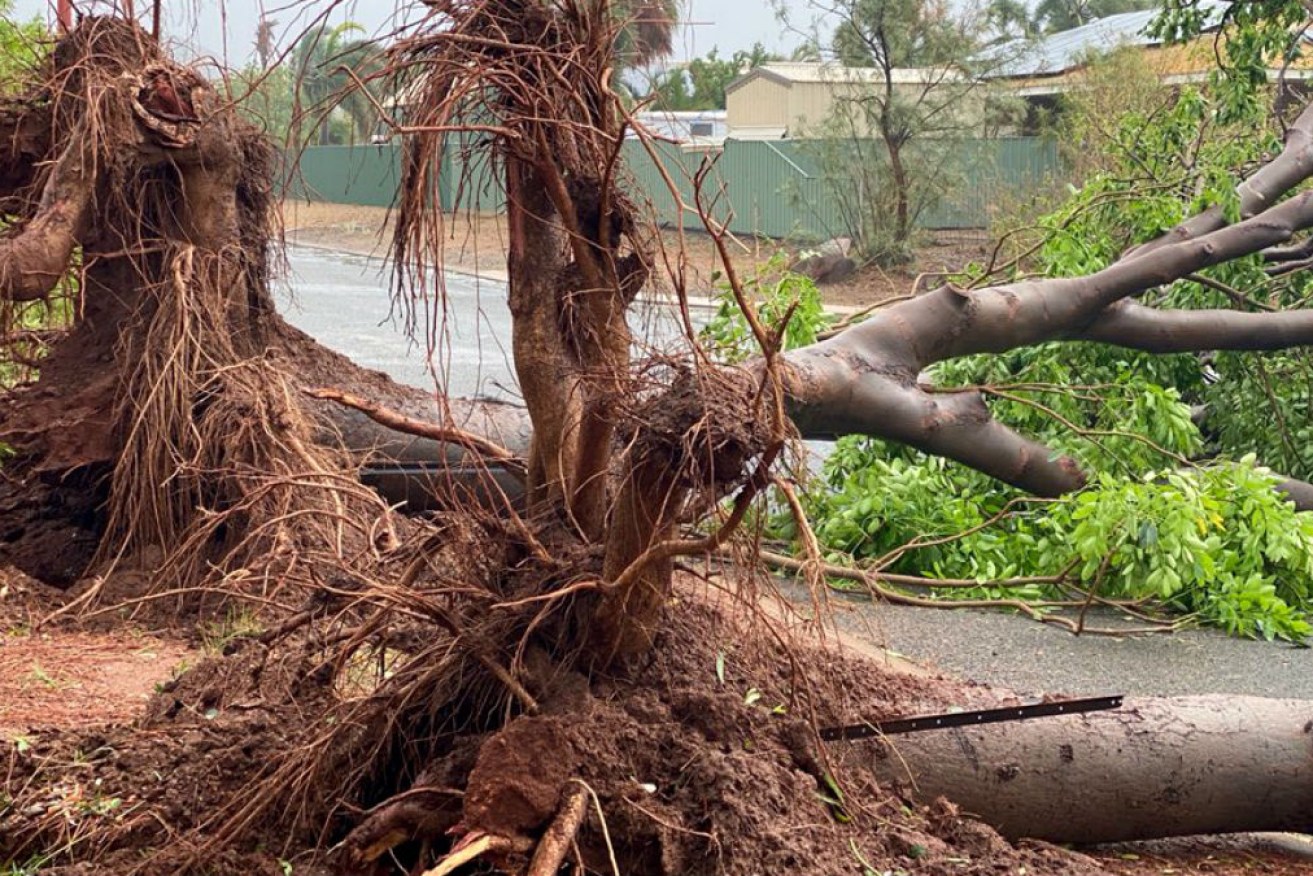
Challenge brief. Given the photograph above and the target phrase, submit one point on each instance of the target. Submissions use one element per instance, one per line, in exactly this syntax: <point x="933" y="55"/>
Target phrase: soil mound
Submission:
<point x="704" y="760"/>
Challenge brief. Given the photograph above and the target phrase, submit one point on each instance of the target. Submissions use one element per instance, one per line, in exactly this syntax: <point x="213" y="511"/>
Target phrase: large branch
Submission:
<point x="946" y="323"/>
<point x="863" y="379"/>
<point x="1256" y="194"/>
<point x="33" y="260"/>
<point x="1132" y="325"/>
<point x="842" y="389"/>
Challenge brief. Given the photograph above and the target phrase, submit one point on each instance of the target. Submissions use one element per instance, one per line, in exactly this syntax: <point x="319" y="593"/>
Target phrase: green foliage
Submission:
<point x="1176" y="513"/>
<point x="324" y="87"/>
<point x="1163" y="167"/>
<point x="899" y="33"/>
<point x="23" y="45"/>
<point x="266" y="98"/>
<point x="1261" y="35"/>
<point x="31" y="318"/>
<point x="700" y="84"/>
<point x="774" y="293"/>
<point x="1013" y="19"/>
<point x="1111" y="409"/>
<point x="1053" y="16"/>
<point x="1216" y="543"/>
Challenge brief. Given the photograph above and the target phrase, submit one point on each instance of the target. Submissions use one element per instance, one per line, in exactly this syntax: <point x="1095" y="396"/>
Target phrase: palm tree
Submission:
<point x="323" y="85"/>
<point x="265" y="41"/>
<point x="647" y="30"/>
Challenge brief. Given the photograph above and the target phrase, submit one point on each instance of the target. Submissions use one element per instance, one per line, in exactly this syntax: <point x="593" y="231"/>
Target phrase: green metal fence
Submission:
<point x="768" y="188"/>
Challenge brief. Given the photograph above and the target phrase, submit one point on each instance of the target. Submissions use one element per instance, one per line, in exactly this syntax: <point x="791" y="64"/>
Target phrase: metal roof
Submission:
<point x="1067" y="49"/>
<point x="795" y="72"/>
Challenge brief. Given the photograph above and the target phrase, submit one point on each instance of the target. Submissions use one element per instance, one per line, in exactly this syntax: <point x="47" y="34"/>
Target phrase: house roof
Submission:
<point x="1063" y="51"/>
<point x="790" y="73"/>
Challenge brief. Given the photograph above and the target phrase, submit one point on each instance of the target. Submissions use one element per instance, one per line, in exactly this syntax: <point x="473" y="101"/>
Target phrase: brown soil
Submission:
<point x="702" y="760"/>
<point x="1244" y="855"/>
<point x="477" y="244"/>
<point x="690" y="766"/>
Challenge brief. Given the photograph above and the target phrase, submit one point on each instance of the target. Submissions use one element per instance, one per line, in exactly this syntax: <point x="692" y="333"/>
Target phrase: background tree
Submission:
<point x="265" y="43"/>
<point x="319" y="63"/>
<point x="1011" y="19"/>
<point x="267" y="98"/>
<point x="266" y="91"/>
<point x="22" y="45"/>
<point x="1054" y="16"/>
<point x="700" y="84"/>
<point x="884" y="149"/>
<point x="644" y="30"/>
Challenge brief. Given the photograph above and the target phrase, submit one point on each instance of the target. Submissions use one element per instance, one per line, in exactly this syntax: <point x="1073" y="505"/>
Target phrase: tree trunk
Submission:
<point x="902" y="210"/>
<point x="1154" y="768"/>
<point x="535" y="262"/>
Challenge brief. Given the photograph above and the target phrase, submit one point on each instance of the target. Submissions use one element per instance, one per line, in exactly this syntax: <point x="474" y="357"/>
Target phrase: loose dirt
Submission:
<point x="1244" y="855"/>
<point x="702" y="755"/>
<point x="477" y="244"/>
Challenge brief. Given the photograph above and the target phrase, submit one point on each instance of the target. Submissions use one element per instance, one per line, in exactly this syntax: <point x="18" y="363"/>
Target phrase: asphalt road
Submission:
<point x="1006" y="649"/>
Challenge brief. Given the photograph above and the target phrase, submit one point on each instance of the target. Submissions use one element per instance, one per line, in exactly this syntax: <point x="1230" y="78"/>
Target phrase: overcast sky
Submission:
<point x="226" y="30"/>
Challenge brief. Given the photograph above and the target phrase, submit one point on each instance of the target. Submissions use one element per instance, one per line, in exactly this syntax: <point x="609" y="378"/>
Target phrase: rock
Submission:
<point x="839" y="246"/>
<point x="825" y="267"/>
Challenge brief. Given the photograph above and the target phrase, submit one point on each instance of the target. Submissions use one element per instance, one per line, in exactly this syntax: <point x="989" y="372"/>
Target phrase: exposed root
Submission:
<point x="168" y="400"/>
<point x="559" y="836"/>
<point x="422" y="814"/>
<point x="472" y="847"/>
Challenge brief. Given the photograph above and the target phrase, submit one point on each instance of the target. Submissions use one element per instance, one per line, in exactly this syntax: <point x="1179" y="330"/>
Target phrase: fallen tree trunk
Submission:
<point x="1154" y="768"/>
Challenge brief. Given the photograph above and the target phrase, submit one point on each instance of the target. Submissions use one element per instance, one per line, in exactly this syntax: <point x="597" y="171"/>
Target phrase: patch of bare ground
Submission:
<point x="477" y="244"/>
<point x="69" y="679"/>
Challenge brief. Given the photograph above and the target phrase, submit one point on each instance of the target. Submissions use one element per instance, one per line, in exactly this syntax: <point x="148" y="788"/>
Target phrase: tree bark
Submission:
<point x="1154" y="768"/>
<point x="542" y="362"/>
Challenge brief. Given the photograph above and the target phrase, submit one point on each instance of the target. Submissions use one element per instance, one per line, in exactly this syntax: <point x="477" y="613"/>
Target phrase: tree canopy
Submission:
<point x="700" y="84"/>
<point x="901" y="33"/>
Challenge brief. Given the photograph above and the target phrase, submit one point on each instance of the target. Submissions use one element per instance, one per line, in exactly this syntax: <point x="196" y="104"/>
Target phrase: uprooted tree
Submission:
<point x="166" y="430"/>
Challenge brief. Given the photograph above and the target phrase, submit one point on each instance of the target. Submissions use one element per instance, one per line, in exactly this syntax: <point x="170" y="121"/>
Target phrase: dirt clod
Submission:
<point x="517" y="781"/>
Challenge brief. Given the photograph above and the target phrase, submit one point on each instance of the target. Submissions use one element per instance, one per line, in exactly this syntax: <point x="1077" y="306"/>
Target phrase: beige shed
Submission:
<point x="774" y="101"/>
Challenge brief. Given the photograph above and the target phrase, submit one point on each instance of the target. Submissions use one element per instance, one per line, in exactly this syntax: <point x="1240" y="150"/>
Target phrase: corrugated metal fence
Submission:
<point x="770" y="188"/>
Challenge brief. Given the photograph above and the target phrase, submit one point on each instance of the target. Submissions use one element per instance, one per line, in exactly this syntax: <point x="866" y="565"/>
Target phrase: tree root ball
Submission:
<point x="706" y="426"/>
